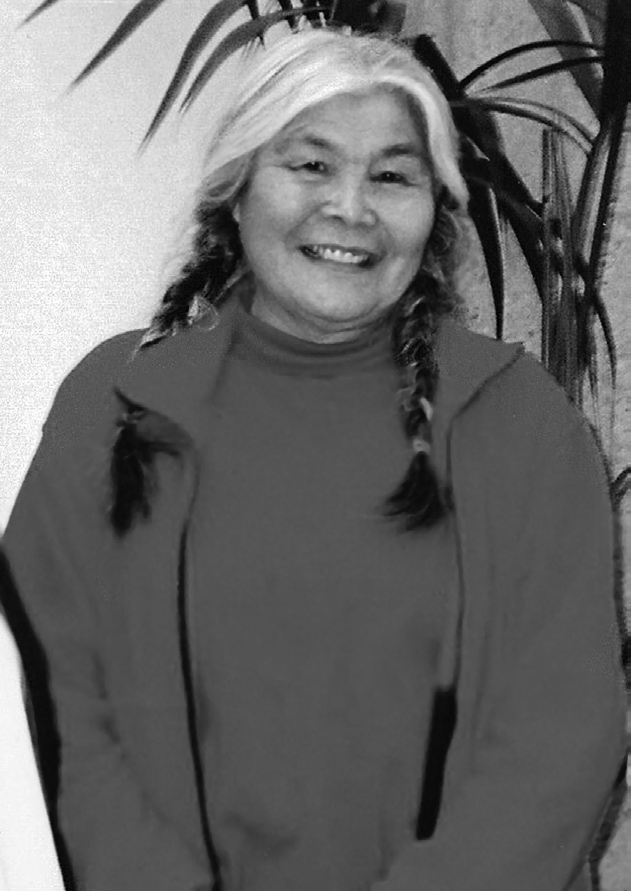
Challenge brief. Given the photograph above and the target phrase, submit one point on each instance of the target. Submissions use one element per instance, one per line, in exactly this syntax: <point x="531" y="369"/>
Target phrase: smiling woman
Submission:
<point x="324" y="579"/>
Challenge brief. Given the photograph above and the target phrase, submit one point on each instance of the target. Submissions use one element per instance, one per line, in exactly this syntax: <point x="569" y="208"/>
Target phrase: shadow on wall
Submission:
<point x="39" y="704"/>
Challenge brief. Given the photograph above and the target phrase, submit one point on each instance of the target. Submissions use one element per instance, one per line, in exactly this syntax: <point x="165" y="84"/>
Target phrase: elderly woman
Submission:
<point x="324" y="579"/>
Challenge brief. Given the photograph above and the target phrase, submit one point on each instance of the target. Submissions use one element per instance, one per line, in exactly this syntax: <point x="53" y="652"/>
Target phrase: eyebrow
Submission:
<point x="397" y="150"/>
<point x="404" y="150"/>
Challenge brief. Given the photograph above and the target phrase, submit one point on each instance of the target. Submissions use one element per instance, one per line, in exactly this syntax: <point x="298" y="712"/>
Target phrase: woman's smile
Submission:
<point x="353" y="257"/>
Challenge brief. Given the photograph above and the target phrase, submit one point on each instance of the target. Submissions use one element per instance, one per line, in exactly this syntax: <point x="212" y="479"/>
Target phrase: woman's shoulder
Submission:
<point x="510" y="399"/>
<point x="86" y="397"/>
<point x="503" y="372"/>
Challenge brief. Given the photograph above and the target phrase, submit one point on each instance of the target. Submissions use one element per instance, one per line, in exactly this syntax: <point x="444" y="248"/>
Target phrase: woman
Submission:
<point x="260" y="652"/>
<point x="27" y="851"/>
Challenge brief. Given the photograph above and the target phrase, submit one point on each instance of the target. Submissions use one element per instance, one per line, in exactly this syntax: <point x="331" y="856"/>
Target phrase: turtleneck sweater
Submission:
<point x="316" y="620"/>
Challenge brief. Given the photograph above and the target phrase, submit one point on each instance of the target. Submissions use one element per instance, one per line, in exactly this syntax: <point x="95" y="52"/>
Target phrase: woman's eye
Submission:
<point x="392" y="177"/>
<point x="314" y="166"/>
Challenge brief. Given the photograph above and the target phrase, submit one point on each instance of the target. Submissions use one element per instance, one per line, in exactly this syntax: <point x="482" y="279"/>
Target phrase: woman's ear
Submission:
<point x="236" y="213"/>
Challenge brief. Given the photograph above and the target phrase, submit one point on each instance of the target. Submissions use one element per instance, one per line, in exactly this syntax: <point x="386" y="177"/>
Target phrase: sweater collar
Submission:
<point x="176" y="376"/>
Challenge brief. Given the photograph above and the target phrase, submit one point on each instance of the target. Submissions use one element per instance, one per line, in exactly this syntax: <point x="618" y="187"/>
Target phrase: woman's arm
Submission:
<point x="27" y="852"/>
<point x="545" y="762"/>
<point x="115" y="839"/>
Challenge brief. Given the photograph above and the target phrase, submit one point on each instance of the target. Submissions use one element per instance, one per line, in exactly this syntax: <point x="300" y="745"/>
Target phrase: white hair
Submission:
<point x="275" y="84"/>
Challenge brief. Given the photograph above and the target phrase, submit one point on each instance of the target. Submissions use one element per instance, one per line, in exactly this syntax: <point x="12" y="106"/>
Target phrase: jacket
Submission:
<point x="27" y="852"/>
<point x="532" y="655"/>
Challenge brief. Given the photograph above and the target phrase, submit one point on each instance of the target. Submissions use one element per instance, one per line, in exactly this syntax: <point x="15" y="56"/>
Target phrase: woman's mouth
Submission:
<point x="345" y="256"/>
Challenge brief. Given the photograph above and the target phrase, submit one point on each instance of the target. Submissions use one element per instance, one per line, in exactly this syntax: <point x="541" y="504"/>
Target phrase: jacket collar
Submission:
<point x="176" y="376"/>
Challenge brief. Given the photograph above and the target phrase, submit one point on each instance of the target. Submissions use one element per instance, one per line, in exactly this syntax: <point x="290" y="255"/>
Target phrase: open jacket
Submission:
<point x="531" y="653"/>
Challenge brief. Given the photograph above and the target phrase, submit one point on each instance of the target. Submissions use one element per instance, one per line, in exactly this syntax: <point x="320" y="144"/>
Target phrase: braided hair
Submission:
<point x="214" y="259"/>
<point x="421" y="500"/>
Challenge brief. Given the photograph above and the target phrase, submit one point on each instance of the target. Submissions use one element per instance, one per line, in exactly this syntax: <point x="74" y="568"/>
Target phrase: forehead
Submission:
<point x="375" y="120"/>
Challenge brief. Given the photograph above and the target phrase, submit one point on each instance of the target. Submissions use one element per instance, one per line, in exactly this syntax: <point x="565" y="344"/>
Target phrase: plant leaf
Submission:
<point x="561" y="23"/>
<point x="486" y="219"/>
<point x="207" y="28"/>
<point x="547" y="117"/>
<point x="39" y="10"/>
<point x="140" y="13"/>
<point x="558" y="114"/>
<point x="604" y="214"/>
<point x="545" y="70"/>
<point x="616" y="88"/>
<point x="621" y="485"/>
<point x="523" y="216"/>
<point x="240" y="37"/>
<point x="595" y="9"/>
<point x="522" y="50"/>
<point x="595" y="15"/>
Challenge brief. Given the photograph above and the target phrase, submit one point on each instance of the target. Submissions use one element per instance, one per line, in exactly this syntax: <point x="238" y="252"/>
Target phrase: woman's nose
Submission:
<point x="349" y="199"/>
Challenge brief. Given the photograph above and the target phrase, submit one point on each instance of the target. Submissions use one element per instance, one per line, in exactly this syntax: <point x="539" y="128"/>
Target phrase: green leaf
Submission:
<point x="595" y="9"/>
<point x="621" y="485"/>
<point x="139" y="14"/>
<point x="39" y="10"/>
<point x="616" y="89"/>
<point x="562" y="23"/>
<point x="545" y="71"/>
<point x="556" y="115"/>
<point x="566" y="350"/>
<point x="521" y="50"/>
<point x="485" y="215"/>
<point x="427" y="52"/>
<point x="604" y="216"/>
<point x="545" y="115"/>
<point x="523" y="216"/>
<point x="237" y="39"/>
<point x="205" y="31"/>
<point x="595" y="15"/>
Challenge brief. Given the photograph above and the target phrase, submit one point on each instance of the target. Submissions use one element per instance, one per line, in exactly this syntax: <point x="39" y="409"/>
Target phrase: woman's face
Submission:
<point x="336" y="215"/>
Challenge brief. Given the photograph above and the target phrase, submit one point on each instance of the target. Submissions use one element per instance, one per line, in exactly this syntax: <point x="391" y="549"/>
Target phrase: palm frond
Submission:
<point x="538" y="113"/>
<point x="523" y="50"/>
<point x="562" y="22"/>
<point x="621" y="486"/>
<point x="203" y="34"/>
<point x="240" y="37"/>
<point x="132" y="21"/>
<point x="484" y="212"/>
<point x="593" y="9"/>
<point x="39" y="10"/>
<point x="616" y="89"/>
<point x="545" y="71"/>
<point x="594" y="15"/>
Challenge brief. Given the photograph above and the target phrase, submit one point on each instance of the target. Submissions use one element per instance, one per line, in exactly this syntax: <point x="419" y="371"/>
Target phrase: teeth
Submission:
<point x="337" y="255"/>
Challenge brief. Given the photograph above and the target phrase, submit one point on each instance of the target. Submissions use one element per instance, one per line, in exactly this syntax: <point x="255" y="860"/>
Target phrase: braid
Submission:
<point x="215" y="255"/>
<point x="420" y="499"/>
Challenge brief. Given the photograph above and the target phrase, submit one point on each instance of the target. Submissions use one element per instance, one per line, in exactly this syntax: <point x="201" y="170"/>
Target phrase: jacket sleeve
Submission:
<point x="546" y="759"/>
<point x="116" y="840"/>
<point x="27" y="852"/>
